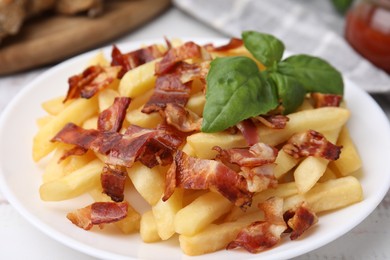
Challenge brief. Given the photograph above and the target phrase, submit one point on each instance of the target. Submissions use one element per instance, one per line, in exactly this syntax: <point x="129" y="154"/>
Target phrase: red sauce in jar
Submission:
<point x="368" y="31"/>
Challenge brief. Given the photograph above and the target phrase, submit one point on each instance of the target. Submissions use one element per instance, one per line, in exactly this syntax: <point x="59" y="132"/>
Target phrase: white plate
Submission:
<point x="20" y="177"/>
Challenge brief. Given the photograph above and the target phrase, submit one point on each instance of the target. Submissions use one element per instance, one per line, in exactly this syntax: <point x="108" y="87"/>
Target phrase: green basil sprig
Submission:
<point x="237" y="90"/>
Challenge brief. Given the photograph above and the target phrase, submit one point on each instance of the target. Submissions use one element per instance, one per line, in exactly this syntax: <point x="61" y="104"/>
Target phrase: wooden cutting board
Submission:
<point x="52" y="38"/>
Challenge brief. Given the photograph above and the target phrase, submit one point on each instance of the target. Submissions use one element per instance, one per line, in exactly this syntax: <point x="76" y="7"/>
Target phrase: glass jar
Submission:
<point x="368" y="31"/>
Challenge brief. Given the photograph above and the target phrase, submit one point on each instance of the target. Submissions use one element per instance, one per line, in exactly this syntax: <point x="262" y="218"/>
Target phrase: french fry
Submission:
<point x="215" y="237"/>
<point x="284" y="162"/>
<point x="200" y="213"/>
<point x="196" y="103"/>
<point x="202" y="143"/>
<point x="319" y="119"/>
<point x="310" y="169"/>
<point x="149" y="182"/>
<point x="130" y="224"/>
<point x="138" y="80"/>
<point x="164" y="214"/>
<point x="78" y="111"/>
<point x="136" y="117"/>
<point x="56" y="169"/>
<point x="55" y="105"/>
<point x="349" y="160"/>
<point x="99" y="59"/>
<point x="73" y="184"/>
<point x="106" y="98"/>
<point x="148" y="228"/>
<point x="330" y="195"/>
<point x="283" y="190"/>
<point x="43" y="120"/>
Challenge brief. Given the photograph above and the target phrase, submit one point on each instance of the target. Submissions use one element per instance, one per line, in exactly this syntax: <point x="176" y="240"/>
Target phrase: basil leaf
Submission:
<point x="264" y="47"/>
<point x="291" y="93"/>
<point x="315" y="74"/>
<point x="235" y="91"/>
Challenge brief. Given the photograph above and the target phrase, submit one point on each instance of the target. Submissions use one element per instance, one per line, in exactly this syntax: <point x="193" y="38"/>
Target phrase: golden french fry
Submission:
<point x="216" y="237"/>
<point x="136" y="117"/>
<point x="76" y="112"/>
<point x="73" y="184"/>
<point x="43" y="120"/>
<point x="138" y="80"/>
<point x="201" y="212"/>
<point x="196" y="103"/>
<point x="149" y="182"/>
<point x="164" y="214"/>
<point x="106" y="98"/>
<point x="148" y="228"/>
<point x="99" y="59"/>
<point x="55" y="105"/>
<point x="202" y="143"/>
<point x="329" y="195"/>
<point x="284" y="162"/>
<point x="349" y="160"/>
<point x="283" y="190"/>
<point x="320" y="119"/>
<point x="311" y="169"/>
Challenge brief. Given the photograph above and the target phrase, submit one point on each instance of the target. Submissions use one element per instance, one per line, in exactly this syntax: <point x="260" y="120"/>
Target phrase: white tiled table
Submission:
<point x="20" y="240"/>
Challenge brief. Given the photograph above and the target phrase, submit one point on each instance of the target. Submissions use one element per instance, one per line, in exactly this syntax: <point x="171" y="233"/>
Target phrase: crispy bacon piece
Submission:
<point x="273" y="121"/>
<point x="98" y="213"/>
<point x="168" y="89"/>
<point x="90" y="81"/>
<point x="188" y="50"/>
<point x="256" y="164"/>
<point x="257" y="155"/>
<point x="194" y="173"/>
<point x="299" y="220"/>
<point x="262" y="235"/>
<point x="249" y="131"/>
<point x="234" y="43"/>
<point x="135" y="58"/>
<point x="175" y="87"/>
<point x="326" y="100"/>
<point x="112" y="118"/>
<point x="181" y="118"/>
<point x="113" y="182"/>
<point x="122" y="149"/>
<point x="311" y="143"/>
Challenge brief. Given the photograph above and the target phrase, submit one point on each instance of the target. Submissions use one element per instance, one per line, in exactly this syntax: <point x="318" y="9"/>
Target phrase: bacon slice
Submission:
<point x="168" y="89"/>
<point x="311" y="143"/>
<point x="300" y="220"/>
<point x="124" y="149"/>
<point x="98" y="213"/>
<point x="181" y="118"/>
<point x="194" y="173"/>
<point x="262" y="235"/>
<point x="113" y="182"/>
<point x="256" y="164"/>
<point x="131" y="60"/>
<point x="175" y="86"/>
<point x="90" y="81"/>
<point x="326" y="100"/>
<point x="249" y="131"/>
<point x="112" y="118"/>
<point x="273" y="121"/>
<point x="188" y="50"/>
<point x="257" y="155"/>
<point x="234" y="43"/>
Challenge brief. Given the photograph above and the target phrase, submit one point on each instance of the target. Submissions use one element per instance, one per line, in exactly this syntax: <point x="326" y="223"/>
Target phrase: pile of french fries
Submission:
<point x="203" y="221"/>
